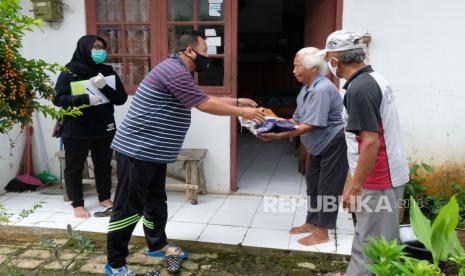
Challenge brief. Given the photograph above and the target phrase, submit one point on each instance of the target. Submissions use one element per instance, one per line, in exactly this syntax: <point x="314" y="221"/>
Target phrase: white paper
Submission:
<point x="214" y="9"/>
<point x="212" y="50"/>
<point x="213" y="41"/>
<point x="215" y="1"/>
<point x="210" y="32"/>
<point x="90" y="89"/>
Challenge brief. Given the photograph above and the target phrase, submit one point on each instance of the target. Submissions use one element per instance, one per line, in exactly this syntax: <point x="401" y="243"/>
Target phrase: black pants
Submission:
<point x="326" y="175"/>
<point x="140" y="192"/>
<point x="76" y="151"/>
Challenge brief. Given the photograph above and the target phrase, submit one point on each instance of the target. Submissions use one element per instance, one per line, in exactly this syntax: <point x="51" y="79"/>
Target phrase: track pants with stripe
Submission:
<point x="140" y="194"/>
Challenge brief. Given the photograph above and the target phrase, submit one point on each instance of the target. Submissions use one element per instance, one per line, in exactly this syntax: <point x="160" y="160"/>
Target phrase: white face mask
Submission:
<point x="332" y="69"/>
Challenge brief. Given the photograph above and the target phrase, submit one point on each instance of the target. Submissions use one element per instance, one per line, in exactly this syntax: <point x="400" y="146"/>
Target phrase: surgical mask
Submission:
<point x="202" y="63"/>
<point x="99" y="56"/>
<point x="332" y="69"/>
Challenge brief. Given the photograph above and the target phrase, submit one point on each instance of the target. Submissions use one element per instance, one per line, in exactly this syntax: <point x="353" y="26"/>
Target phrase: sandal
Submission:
<point x="152" y="273"/>
<point x="122" y="271"/>
<point x="162" y="254"/>
<point x="173" y="262"/>
<point x="106" y="213"/>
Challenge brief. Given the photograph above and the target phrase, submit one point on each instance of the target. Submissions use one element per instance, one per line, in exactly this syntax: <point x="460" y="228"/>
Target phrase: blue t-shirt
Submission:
<point x="160" y="114"/>
<point x="319" y="105"/>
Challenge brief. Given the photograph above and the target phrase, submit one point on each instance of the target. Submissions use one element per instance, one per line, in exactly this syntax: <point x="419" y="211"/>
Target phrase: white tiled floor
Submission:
<point x="269" y="168"/>
<point x="233" y="218"/>
<point x="223" y="234"/>
<point x="193" y="215"/>
<point x="267" y="238"/>
<point x="256" y="218"/>
<point x="272" y="221"/>
<point x="184" y="230"/>
<point x="226" y="219"/>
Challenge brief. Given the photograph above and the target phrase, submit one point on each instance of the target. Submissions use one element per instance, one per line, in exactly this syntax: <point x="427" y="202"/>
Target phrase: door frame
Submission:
<point x="234" y="65"/>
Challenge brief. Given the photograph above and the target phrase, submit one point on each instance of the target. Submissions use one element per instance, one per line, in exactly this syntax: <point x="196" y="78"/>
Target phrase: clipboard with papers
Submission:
<point x="86" y="87"/>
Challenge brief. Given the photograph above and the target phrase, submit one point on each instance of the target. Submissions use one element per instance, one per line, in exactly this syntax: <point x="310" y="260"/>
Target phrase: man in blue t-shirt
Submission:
<point x="150" y="136"/>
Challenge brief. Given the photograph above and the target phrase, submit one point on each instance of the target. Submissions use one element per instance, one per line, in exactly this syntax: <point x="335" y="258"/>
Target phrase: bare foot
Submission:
<point x="317" y="237"/>
<point x="107" y="203"/>
<point x="81" y="212"/>
<point x="305" y="228"/>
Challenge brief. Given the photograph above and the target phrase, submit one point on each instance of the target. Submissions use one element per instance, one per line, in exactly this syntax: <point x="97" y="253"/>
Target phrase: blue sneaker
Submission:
<point x="122" y="271"/>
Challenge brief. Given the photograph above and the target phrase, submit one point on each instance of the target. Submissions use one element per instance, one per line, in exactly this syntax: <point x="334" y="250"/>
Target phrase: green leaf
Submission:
<point x="456" y="245"/>
<point x="426" y="167"/>
<point x="69" y="230"/>
<point x="420" y="187"/>
<point x="420" y="224"/>
<point x="403" y="267"/>
<point x="414" y="169"/>
<point x="444" y="227"/>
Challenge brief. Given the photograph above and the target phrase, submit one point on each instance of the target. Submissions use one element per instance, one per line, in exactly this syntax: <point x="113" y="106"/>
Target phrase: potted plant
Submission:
<point x="432" y="204"/>
<point x="439" y="237"/>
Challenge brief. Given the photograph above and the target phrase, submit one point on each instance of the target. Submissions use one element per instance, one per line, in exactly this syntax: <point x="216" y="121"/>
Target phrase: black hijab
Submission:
<point x="82" y="63"/>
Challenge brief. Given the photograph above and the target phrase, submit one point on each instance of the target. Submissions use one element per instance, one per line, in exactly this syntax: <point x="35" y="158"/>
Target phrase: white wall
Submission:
<point x="57" y="44"/>
<point x="418" y="46"/>
<point x="212" y="133"/>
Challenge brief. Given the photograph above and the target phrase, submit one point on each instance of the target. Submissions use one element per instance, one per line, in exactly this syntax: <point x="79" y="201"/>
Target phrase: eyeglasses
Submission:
<point x="99" y="47"/>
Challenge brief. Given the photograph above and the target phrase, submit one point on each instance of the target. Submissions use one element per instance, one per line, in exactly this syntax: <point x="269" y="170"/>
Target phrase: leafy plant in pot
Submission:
<point x="440" y="238"/>
<point x="432" y="204"/>
<point x="389" y="259"/>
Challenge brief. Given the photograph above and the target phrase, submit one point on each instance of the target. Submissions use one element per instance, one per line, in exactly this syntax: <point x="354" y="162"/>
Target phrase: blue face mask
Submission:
<point x="99" y="56"/>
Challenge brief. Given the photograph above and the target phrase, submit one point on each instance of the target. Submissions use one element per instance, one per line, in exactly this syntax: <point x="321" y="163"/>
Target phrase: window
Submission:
<point x="141" y="33"/>
<point x="207" y="17"/>
<point x="126" y="27"/>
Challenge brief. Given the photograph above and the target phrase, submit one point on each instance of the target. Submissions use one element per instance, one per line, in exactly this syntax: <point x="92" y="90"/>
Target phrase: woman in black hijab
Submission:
<point x="94" y="130"/>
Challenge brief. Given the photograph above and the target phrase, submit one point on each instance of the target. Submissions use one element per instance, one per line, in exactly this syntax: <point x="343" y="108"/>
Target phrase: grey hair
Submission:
<point x="351" y="56"/>
<point x="310" y="58"/>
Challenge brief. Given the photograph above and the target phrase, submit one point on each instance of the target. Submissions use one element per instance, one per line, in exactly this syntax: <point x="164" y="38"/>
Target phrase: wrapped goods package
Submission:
<point x="272" y="124"/>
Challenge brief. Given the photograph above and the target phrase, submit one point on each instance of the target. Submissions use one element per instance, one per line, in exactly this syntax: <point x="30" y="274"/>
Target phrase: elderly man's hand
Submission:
<point x="254" y="114"/>
<point x="351" y="198"/>
<point x="245" y="102"/>
<point x="268" y="136"/>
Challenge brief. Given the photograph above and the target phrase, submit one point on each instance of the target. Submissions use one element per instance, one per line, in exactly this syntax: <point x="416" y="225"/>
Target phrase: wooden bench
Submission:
<point x="193" y="181"/>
